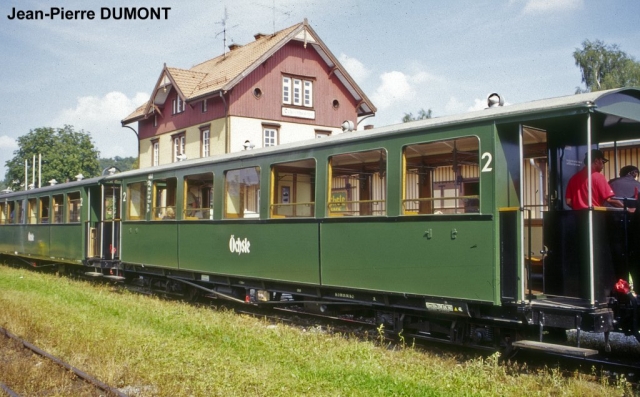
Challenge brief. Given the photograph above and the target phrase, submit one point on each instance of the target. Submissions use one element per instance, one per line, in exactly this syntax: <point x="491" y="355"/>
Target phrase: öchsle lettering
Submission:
<point x="239" y="246"/>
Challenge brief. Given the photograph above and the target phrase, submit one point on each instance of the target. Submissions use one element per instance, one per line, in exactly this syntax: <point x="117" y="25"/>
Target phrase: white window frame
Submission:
<point x="204" y="106"/>
<point x="206" y="147"/>
<point x="297" y="92"/>
<point x="269" y="136"/>
<point x="156" y="153"/>
<point x="179" y="142"/>
<point x="307" y="98"/>
<point x="286" y="90"/>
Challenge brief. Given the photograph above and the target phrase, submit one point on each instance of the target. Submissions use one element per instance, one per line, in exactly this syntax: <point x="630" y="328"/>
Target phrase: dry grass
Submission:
<point x="153" y="347"/>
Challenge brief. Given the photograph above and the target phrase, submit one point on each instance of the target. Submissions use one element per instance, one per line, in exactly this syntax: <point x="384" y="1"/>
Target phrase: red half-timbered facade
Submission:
<point x="277" y="89"/>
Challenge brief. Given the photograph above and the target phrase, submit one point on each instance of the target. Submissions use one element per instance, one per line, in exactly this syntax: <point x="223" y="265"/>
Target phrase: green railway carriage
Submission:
<point x="47" y="224"/>
<point x="452" y="228"/>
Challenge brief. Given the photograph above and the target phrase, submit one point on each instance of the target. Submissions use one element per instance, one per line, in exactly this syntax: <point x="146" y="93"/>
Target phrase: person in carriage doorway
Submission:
<point x="577" y="194"/>
<point x="627" y="187"/>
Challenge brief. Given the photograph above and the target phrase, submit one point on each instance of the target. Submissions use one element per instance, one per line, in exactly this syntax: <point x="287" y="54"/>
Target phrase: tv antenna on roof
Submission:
<point x="273" y="9"/>
<point x="223" y="22"/>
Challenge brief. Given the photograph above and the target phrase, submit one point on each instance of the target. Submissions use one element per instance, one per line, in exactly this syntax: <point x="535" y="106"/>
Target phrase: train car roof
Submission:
<point x="618" y="106"/>
<point x="53" y="188"/>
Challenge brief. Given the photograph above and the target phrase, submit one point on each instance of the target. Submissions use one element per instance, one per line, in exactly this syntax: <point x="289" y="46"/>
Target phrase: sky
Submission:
<point x="446" y="56"/>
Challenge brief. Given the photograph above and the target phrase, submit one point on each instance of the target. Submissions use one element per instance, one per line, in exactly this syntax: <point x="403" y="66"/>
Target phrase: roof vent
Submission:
<point x="258" y="36"/>
<point x="494" y="100"/>
<point x="234" y="46"/>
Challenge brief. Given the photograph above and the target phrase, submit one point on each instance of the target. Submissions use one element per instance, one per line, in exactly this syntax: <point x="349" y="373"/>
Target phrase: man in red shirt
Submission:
<point x="577" y="195"/>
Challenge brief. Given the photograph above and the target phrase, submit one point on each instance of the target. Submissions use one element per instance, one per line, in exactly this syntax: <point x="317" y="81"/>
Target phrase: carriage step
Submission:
<point x="93" y="274"/>
<point x="553" y="348"/>
<point x="114" y="278"/>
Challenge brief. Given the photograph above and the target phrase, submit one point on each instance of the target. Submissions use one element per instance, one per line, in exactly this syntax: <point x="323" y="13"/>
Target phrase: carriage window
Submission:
<point x="137" y="197"/>
<point x="32" y="211"/>
<point x="293" y="189"/>
<point x="442" y="177"/>
<point x="164" y="199"/>
<point x="198" y="196"/>
<point x="57" y="208"/>
<point x="74" y="203"/>
<point x="242" y="193"/>
<point x="358" y="184"/>
<point x="111" y="208"/>
<point x="18" y="214"/>
<point x="44" y="210"/>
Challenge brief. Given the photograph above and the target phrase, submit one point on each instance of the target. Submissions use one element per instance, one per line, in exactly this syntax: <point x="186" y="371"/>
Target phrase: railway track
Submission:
<point x="72" y="381"/>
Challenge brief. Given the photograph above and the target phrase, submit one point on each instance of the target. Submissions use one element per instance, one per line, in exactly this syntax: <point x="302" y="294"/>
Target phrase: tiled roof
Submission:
<point x="225" y="71"/>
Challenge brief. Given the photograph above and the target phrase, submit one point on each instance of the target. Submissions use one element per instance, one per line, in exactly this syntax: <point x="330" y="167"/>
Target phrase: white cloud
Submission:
<point x="356" y="69"/>
<point x="545" y="6"/>
<point x="6" y="142"/>
<point x="454" y="106"/>
<point x="101" y="116"/>
<point x="478" y="104"/>
<point x="395" y="87"/>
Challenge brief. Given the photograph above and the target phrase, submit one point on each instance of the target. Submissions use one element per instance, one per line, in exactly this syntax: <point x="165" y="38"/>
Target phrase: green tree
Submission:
<point x="65" y="153"/>
<point x="605" y="66"/>
<point x="121" y="163"/>
<point x="422" y="114"/>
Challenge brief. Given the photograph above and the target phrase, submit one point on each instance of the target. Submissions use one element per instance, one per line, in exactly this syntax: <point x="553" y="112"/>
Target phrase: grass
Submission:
<point x="154" y="347"/>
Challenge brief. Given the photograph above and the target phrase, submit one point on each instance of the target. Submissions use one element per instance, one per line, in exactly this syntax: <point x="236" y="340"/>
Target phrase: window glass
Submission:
<point x="270" y="137"/>
<point x="32" y="212"/>
<point x="111" y="208"/>
<point x="19" y="212"/>
<point x="242" y="193"/>
<point x="4" y="214"/>
<point x="74" y="205"/>
<point x="358" y="184"/>
<point x="137" y="197"/>
<point x="205" y="143"/>
<point x="286" y="90"/>
<point x="442" y="177"/>
<point x="198" y="200"/>
<point x="44" y="209"/>
<point x="57" y="208"/>
<point x="164" y="199"/>
<point x="293" y="189"/>
<point x="11" y="212"/>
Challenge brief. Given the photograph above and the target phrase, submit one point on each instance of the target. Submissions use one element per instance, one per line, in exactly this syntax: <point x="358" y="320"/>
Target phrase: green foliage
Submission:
<point x="65" y="153"/>
<point x="121" y="163"/>
<point x="605" y="66"/>
<point x="422" y="114"/>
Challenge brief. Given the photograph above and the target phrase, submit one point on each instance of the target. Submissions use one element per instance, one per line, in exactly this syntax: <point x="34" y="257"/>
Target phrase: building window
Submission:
<point x="322" y="133"/>
<point x="179" y="142"/>
<point x="155" y="152"/>
<point x="270" y="136"/>
<point x="155" y="120"/>
<point x="204" y="106"/>
<point x="205" y="142"/>
<point x="178" y="105"/>
<point x="298" y="92"/>
<point x="286" y="90"/>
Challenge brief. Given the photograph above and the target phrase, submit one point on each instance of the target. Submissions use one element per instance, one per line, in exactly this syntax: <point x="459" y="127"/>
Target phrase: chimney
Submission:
<point x="234" y="46"/>
<point x="368" y="127"/>
<point x="258" y="36"/>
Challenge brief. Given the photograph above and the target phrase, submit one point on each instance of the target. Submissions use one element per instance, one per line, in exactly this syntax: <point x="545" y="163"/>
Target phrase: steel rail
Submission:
<point x="83" y="375"/>
<point x="7" y="390"/>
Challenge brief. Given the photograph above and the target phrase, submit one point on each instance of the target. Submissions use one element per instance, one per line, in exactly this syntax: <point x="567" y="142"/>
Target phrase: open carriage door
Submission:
<point x="534" y="193"/>
<point x="110" y="224"/>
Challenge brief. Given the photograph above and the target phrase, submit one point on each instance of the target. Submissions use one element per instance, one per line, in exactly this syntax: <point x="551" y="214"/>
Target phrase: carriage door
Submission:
<point x="110" y="224"/>
<point x="535" y="203"/>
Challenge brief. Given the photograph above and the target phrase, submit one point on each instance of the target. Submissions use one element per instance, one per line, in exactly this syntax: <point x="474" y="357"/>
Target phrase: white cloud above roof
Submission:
<point x="356" y="69"/>
<point x="6" y="142"/>
<point x="101" y="117"/>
